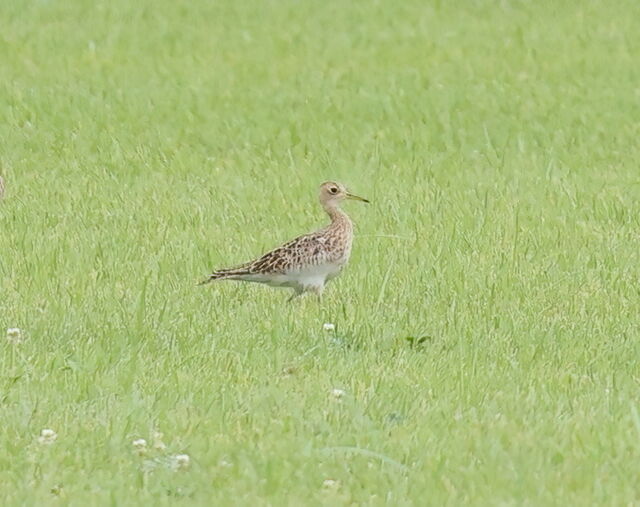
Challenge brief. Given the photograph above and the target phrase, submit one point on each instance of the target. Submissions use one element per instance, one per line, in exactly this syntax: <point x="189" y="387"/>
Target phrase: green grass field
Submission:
<point x="145" y="143"/>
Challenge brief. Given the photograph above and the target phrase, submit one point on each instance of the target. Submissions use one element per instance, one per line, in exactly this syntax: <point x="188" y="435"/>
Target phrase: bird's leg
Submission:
<point x="318" y="291"/>
<point x="296" y="293"/>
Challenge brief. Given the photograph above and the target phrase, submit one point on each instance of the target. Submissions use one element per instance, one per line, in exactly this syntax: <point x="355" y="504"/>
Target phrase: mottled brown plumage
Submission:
<point x="307" y="262"/>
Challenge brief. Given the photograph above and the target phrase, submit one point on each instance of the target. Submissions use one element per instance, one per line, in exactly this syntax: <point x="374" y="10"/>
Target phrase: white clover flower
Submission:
<point x="181" y="461"/>
<point x="47" y="436"/>
<point x="330" y="484"/>
<point x="338" y="394"/>
<point x="14" y="335"/>
<point x="328" y="326"/>
<point x="140" y="444"/>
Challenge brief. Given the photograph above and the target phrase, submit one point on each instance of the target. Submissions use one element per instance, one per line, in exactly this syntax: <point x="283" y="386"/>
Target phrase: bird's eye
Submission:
<point x="333" y="190"/>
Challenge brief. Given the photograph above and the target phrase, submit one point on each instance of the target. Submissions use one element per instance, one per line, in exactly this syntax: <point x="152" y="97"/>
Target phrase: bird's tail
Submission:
<point x="225" y="274"/>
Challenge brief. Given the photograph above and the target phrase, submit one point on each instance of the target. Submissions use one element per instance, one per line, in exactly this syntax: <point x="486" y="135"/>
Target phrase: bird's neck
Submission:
<point x="338" y="217"/>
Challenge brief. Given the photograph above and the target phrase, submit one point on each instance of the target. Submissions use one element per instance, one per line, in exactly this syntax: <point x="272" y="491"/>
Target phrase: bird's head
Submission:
<point x="332" y="194"/>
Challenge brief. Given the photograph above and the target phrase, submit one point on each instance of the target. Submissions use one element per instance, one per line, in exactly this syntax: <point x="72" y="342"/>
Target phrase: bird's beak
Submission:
<point x="356" y="198"/>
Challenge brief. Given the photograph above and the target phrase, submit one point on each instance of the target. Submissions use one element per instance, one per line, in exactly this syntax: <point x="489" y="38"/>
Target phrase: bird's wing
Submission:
<point x="309" y="249"/>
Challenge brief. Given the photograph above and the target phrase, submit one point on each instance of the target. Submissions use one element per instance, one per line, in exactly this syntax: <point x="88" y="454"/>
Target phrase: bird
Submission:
<point x="308" y="262"/>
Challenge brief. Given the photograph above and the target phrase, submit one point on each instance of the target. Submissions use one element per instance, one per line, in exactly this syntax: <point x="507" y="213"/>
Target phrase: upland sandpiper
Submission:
<point x="307" y="262"/>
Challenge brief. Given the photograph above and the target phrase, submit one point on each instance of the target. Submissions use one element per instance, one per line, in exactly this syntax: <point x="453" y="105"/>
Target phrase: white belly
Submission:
<point x="306" y="278"/>
<point x="315" y="276"/>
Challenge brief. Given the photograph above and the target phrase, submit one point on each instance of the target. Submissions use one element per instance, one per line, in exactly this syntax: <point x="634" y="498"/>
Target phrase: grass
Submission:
<point x="145" y="143"/>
